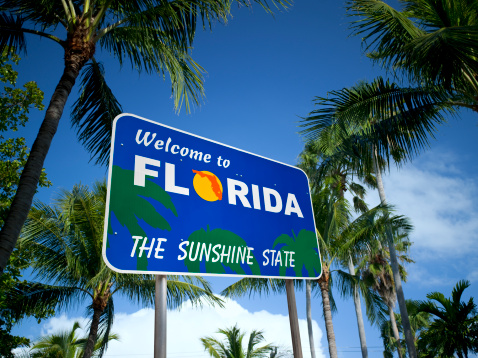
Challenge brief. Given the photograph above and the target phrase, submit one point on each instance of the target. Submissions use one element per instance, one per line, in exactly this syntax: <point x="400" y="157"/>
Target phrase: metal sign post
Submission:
<point x="160" y="316"/>
<point x="293" y="318"/>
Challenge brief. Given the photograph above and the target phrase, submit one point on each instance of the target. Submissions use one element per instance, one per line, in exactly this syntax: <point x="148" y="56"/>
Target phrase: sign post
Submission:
<point x="293" y="318"/>
<point x="181" y="204"/>
<point x="160" y="316"/>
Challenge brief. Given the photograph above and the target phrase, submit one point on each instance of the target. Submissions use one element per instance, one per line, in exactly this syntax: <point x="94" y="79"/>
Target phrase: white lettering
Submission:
<point x="241" y="253"/>
<point x="225" y="255"/>
<point x="232" y="192"/>
<point x="191" y="250"/>
<point x="175" y="151"/>
<point x="159" y="249"/>
<point x="184" y="151"/>
<point x="196" y="154"/>
<point x="143" y="247"/>
<point x="184" y="251"/>
<point x="256" y="201"/>
<point x="205" y="251"/>
<point x="158" y="145"/>
<point x="136" y="238"/>
<point x="250" y="256"/>
<point x="292" y="206"/>
<point x="168" y="142"/>
<point x="170" y="183"/>
<point x="216" y="253"/>
<point x="265" y="263"/>
<point x="140" y="170"/>
<point x="267" y="200"/>
<point x="145" y="138"/>
<point x="278" y="259"/>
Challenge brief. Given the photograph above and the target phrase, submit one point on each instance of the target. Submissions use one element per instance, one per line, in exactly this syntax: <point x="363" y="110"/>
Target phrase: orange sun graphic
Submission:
<point x="207" y="185"/>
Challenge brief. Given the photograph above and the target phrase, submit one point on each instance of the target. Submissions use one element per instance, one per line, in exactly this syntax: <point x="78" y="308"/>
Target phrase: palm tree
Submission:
<point x="340" y="175"/>
<point x="382" y="120"/>
<point x="234" y="347"/>
<point x="64" y="345"/>
<point x="154" y="36"/>
<point x="420" y="321"/>
<point x="454" y="329"/>
<point x="368" y="143"/>
<point x="377" y="270"/>
<point x="66" y="243"/>
<point x="338" y="236"/>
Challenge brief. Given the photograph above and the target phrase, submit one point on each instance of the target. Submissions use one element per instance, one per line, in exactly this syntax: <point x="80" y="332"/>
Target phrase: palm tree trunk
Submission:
<point x="309" y="317"/>
<point x="409" y="339"/>
<point x="30" y="176"/>
<point x="396" y="335"/>
<point x="329" y="327"/>
<point x="90" y="344"/>
<point x="358" y="312"/>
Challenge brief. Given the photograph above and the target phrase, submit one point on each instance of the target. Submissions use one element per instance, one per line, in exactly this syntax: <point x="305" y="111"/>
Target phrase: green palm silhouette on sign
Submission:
<point x="129" y="204"/>
<point x="305" y="251"/>
<point x="202" y="240"/>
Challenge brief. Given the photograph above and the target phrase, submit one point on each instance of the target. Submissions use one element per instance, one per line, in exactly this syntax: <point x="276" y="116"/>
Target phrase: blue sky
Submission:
<point x="262" y="75"/>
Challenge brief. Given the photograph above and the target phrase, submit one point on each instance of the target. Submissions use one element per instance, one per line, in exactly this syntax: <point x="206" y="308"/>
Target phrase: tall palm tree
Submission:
<point x="66" y="243"/>
<point x="234" y="347"/>
<point x="404" y="118"/>
<point x="369" y="144"/>
<point x="454" y="329"/>
<point x="377" y="270"/>
<point x="153" y="35"/>
<point x="338" y="236"/>
<point x="420" y="321"/>
<point x="340" y="174"/>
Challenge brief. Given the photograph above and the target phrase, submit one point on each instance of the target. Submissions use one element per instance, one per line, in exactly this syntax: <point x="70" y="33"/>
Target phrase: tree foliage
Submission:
<point x="454" y="329"/>
<point x="66" y="241"/>
<point x="15" y="105"/>
<point x="235" y="346"/>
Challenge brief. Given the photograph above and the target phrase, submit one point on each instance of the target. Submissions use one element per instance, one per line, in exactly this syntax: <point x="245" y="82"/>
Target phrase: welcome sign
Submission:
<point x="178" y="203"/>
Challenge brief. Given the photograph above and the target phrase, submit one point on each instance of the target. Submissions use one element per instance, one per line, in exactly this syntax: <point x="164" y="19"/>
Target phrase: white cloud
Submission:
<point x="63" y="323"/>
<point x="439" y="199"/>
<point x="188" y="324"/>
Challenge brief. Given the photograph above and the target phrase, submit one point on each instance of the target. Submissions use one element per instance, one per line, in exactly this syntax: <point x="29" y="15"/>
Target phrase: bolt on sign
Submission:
<point x="179" y="203"/>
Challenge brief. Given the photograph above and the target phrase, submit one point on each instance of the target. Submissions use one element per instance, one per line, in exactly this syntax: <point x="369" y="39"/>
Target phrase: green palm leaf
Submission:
<point x="378" y="115"/>
<point x="233" y="346"/>
<point x="94" y="111"/>
<point x="406" y="40"/>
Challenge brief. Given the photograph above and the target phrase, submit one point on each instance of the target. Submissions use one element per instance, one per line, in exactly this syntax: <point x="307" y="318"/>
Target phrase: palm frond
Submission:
<point x="408" y="39"/>
<point x="152" y="51"/>
<point x="94" y="111"/>
<point x="388" y="30"/>
<point x="379" y="116"/>
<point x="12" y="36"/>
<point x="44" y="13"/>
<point x="39" y="297"/>
<point x="251" y="286"/>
